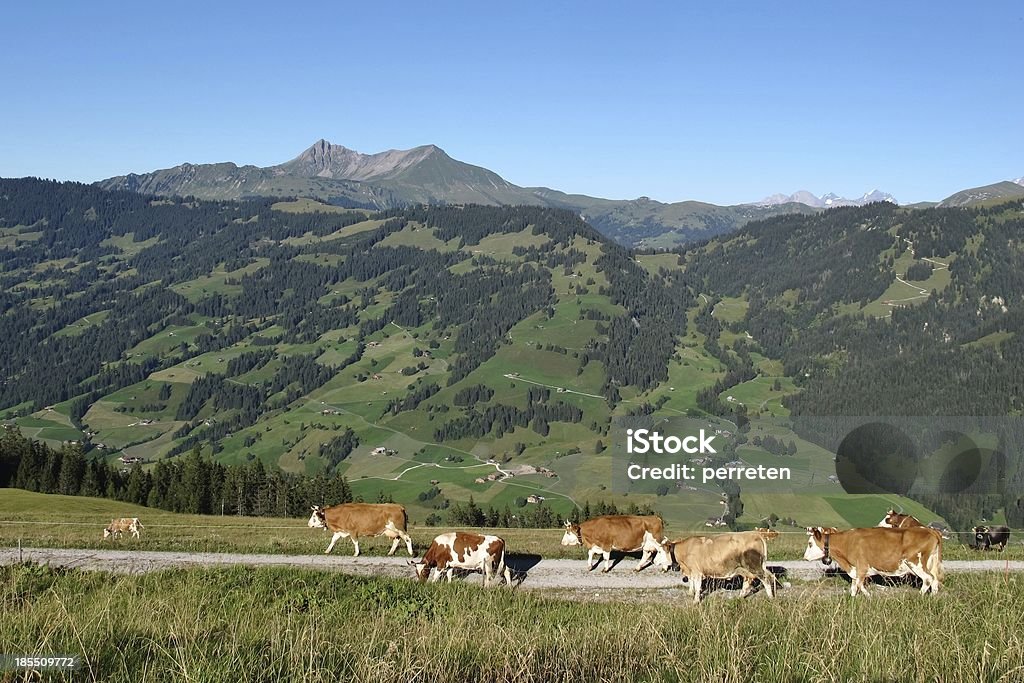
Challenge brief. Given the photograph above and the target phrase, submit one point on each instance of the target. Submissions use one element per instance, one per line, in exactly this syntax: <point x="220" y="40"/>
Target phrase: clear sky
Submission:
<point x="720" y="101"/>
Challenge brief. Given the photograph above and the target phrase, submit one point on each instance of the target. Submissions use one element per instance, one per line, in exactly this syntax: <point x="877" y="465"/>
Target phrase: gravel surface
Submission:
<point x="531" y="571"/>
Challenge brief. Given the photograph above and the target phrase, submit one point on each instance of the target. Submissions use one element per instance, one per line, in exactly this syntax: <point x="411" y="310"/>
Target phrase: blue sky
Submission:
<point x="725" y="103"/>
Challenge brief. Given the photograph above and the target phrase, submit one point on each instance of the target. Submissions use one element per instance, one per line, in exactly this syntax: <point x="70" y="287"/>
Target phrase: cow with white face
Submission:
<point x="462" y="550"/>
<point x="353" y="520"/>
<point x="878" y="551"/>
<point x="625" y="533"/>
<point x="898" y="520"/>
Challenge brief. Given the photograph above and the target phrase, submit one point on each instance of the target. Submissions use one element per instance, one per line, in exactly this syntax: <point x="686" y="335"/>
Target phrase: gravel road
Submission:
<point x="533" y="571"/>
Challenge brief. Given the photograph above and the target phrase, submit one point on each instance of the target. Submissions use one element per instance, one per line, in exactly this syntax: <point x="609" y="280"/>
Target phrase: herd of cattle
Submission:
<point x="899" y="546"/>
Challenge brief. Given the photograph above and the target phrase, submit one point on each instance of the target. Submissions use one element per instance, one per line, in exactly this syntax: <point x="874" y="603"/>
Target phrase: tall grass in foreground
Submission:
<point x="244" y="624"/>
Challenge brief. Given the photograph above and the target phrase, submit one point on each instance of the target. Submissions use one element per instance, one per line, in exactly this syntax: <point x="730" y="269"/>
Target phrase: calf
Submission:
<point x="119" y="526"/>
<point x="626" y="533"/>
<point x="721" y="556"/>
<point x="461" y="550"/>
<point x="987" y="536"/>
<point x="879" y="551"/>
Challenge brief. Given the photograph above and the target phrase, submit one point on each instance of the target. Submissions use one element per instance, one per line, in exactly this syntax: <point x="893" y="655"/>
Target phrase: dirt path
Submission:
<point x="534" y="572"/>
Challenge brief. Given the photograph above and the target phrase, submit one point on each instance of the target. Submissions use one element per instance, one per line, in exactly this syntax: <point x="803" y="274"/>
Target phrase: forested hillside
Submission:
<point x="437" y="355"/>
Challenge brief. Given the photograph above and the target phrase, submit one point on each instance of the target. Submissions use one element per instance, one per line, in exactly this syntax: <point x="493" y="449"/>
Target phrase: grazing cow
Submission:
<point x="626" y="533"/>
<point x="721" y="556"/>
<point x="119" y="526"/>
<point x="898" y="520"/>
<point x="353" y="520"/>
<point x="989" y="536"/>
<point x="879" y="551"/>
<point x="462" y="550"/>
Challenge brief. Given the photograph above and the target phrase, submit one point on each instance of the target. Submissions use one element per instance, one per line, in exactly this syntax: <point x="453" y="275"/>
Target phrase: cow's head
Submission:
<point x="766" y="533"/>
<point x="107" y="532"/>
<point x="980" y="533"/>
<point x="816" y="536"/>
<point x="889" y="521"/>
<point x="572" y="535"/>
<point x="421" y="568"/>
<point x="317" y="520"/>
<point x="664" y="558"/>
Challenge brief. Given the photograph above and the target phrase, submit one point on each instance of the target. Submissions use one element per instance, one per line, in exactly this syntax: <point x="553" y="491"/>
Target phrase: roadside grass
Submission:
<point x="273" y="624"/>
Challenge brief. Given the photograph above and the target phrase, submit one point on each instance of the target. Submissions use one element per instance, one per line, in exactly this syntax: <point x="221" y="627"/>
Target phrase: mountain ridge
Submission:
<point x="428" y="175"/>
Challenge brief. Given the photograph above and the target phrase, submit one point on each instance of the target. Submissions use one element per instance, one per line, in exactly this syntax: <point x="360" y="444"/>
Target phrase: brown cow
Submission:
<point x="879" y="551"/>
<point x="353" y="520"/>
<point x="898" y="520"/>
<point x="119" y="526"/>
<point x="721" y="556"/>
<point x="462" y="550"/>
<point x="626" y="533"/>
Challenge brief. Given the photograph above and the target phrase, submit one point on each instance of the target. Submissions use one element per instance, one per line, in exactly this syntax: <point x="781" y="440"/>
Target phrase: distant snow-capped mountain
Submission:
<point x="827" y="200"/>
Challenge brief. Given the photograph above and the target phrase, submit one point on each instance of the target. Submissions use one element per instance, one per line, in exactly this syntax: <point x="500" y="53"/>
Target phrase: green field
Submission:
<point x="258" y="624"/>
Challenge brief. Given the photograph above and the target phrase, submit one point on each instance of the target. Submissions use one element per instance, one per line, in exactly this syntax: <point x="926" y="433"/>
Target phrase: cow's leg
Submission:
<point x="355" y="542"/>
<point x="748" y="585"/>
<point x="607" y="561"/>
<point x="768" y="579"/>
<point x="857" y="584"/>
<point x="334" y="539"/>
<point x="696" y="582"/>
<point x="488" y="571"/>
<point x="590" y="558"/>
<point x="394" y="545"/>
<point x="408" y="541"/>
<point x="645" y="559"/>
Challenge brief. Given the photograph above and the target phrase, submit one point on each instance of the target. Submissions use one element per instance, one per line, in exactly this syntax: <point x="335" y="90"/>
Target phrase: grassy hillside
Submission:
<point x="433" y="355"/>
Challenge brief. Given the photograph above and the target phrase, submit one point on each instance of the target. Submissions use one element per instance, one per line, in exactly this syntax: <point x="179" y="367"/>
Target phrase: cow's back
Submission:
<point x="365" y="518"/>
<point x="720" y="553"/>
<point x="621" y="532"/>
<point x="884" y="549"/>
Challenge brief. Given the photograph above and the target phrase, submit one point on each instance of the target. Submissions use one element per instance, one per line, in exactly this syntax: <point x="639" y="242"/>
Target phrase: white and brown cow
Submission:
<point x="625" y="533"/>
<point x="119" y="526"/>
<point x="898" y="520"/>
<point x="353" y="520"/>
<point x="721" y="556"/>
<point x="462" y="550"/>
<point x="879" y="551"/>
